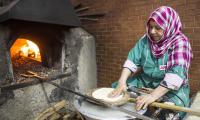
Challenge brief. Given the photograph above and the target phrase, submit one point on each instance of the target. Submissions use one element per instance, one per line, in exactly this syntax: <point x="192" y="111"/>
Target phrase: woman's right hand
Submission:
<point x="121" y="83"/>
<point x="118" y="91"/>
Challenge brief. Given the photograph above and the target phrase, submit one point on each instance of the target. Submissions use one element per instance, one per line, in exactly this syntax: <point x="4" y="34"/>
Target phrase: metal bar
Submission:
<point x="8" y="7"/>
<point x="92" y="15"/>
<point x="81" y="9"/>
<point x="91" y="19"/>
<point x="135" y="114"/>
<point x="32" y="82"/>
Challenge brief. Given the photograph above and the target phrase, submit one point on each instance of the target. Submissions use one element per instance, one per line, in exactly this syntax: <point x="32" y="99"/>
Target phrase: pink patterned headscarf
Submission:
<point x="173" y="38"/>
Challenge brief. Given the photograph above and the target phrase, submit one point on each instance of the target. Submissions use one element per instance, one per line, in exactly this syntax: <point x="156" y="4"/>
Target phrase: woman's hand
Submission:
<point x="118" y="91"/>
<point x="121" y="84"/>
<point x="143" y="101"/>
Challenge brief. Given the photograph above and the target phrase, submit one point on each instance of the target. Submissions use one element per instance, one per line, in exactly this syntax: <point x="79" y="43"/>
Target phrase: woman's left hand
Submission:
<point x="143" y="101"/>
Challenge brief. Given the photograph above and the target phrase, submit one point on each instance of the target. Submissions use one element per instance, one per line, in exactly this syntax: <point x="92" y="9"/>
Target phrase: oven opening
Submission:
<point x="26" y="56"/>
<point x="25" y="49"/>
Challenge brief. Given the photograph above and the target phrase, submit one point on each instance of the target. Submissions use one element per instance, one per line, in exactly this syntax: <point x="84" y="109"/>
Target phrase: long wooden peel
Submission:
<point x="171" y="107"/>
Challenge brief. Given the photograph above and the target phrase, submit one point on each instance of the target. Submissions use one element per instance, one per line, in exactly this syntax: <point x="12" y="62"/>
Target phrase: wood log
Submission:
<point x="54" y="116"/>
<point x="66" y="117"/>
<point x="52" y="110"/>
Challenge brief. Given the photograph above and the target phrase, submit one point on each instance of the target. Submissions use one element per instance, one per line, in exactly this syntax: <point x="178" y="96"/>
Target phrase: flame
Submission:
<point x="31" y="50"/>
<point x="24" y="49"/>
<point x="27" y="49"/>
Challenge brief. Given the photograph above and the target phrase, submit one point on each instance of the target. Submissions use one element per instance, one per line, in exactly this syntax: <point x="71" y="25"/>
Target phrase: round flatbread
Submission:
<point x="102" y="94"/>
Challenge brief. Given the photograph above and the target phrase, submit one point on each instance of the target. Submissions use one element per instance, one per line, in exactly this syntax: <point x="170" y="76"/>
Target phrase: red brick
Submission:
<point x="188" y="30"/>
<point x="195" y="48"/>
<point x="194" y="86"/>
<point x="125" y="22"/>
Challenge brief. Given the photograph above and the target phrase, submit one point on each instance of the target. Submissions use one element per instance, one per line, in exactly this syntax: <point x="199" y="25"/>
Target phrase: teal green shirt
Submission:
<point x="141" y="56"/>
<point x="152" y="76"/>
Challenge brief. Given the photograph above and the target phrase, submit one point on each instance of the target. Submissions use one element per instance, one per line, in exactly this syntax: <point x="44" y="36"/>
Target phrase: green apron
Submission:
<point x="152" y="76"/>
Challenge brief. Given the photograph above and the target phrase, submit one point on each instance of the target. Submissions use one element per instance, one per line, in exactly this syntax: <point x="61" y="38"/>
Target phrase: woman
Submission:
<point x="163" y="55"/>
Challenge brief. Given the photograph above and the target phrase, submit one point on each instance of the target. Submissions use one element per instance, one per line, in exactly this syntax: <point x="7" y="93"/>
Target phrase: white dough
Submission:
<point x="102" y="94"/>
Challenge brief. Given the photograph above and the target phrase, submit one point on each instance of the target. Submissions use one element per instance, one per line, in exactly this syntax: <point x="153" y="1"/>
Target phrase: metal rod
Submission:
<point x="90" y="19"/>
<point x="135" y="114"/>
<point x="92" y="15"/>
<point x="32" y="82"/>
<point x="81" y="9"/>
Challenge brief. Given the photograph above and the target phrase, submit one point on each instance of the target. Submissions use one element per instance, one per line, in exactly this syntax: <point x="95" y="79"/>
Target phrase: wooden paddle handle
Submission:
<point x="171" y="107"/>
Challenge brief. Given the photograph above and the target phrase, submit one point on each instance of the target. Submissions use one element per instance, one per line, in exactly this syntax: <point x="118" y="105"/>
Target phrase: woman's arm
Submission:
<point x="143" y="101"/>
<point x="122" y="81"/>
<point x="124" y="76"/>
<point x="131" y="66"/>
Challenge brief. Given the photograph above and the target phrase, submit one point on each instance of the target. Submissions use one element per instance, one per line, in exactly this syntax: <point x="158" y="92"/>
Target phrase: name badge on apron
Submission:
<point x="162" y="67"/>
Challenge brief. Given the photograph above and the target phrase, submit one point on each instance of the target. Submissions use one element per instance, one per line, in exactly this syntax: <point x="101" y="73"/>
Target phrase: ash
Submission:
<point x="23" y="64"/>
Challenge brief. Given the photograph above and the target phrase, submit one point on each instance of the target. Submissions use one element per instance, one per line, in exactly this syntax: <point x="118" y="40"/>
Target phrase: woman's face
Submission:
<point x="155" y="31"/>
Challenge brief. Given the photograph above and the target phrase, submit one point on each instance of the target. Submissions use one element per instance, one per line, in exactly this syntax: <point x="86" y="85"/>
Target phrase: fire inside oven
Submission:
<point x="25" y="49"/>
<point x="26" y="56"/>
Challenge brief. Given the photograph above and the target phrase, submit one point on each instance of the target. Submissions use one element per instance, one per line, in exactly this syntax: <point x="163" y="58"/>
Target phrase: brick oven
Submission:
<point x="63" y="47"/>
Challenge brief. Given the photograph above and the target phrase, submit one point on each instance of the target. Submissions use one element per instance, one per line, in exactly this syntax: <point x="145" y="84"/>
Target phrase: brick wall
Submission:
<point x="124" y="24"/>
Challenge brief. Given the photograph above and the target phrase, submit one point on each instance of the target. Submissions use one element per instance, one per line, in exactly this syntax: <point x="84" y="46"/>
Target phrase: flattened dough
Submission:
<point x="102" y="94"/>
